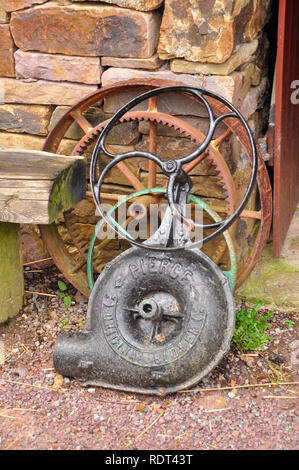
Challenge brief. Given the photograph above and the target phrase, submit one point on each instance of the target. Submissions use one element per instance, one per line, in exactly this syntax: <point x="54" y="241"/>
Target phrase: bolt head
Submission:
<point x="170" y="166"/>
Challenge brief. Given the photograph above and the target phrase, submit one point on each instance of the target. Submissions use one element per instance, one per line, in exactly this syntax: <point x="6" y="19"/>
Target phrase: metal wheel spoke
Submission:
<point x="81" y="121"/>
<point x="154" y="331"/>
<point x="215" y="144"/>
<point x="172" y="317"/>
<point x="132" y="310"/>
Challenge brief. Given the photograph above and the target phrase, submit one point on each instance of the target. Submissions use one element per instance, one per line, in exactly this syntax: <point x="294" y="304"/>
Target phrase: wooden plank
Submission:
<point x="35" y="186"/>
<point x="29" y="164"/>
<point x="11" y="271"/>
<point x="26" y="194"/>
<point x="286" y="153"/>
<point x="14" y="209"/>
<point x="17" y="183"/>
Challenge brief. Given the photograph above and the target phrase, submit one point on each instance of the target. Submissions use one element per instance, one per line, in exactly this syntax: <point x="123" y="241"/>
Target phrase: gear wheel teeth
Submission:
<point x="54" y="239"/>
<point x="95" y="132"/>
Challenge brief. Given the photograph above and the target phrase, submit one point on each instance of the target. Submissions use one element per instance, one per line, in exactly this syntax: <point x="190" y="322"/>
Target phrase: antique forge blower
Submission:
<point x="161" y="314"/>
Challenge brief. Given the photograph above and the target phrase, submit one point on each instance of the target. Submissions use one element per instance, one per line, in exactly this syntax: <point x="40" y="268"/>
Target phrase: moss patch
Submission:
<point x="68" y="190"/>
<point x="294" y="242"/>
<point x="273" y="281"/>
<point x="11" y="271"/>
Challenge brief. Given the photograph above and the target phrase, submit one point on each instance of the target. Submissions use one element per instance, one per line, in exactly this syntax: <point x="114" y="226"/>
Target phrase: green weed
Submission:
<point x="250" y="327"/>
<point x="62" y="294"/>
<point x="64" y="323"/>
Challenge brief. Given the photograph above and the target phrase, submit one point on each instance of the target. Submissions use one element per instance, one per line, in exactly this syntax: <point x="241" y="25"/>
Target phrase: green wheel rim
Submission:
<point x="231" y="274"/>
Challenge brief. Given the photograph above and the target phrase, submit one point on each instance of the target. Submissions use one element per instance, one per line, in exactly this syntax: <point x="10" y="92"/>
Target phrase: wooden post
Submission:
<point x="11" y="271"/>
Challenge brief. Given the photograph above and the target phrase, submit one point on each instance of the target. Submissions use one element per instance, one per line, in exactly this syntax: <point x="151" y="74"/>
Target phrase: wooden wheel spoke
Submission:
<point x="246" y="214"/>
<point x="107" y="196"/>
<point x="137" y="185"/>
<point x="81" y="121"/>
<point x="106" y="240"/>
<point x="189" y="167"/>
<point x="217" y="142"/>
<point x="100" y="246"/>
<point x="78" y="266"/>
<point x="152" y="105"/>
<point x="152" y="167"/>
<point x="130" y="176"/>
<point x="112" y="197"/>
<point x="252" y="215"/>
<point x="152" y="175"/>
<point x="57" y="243"/>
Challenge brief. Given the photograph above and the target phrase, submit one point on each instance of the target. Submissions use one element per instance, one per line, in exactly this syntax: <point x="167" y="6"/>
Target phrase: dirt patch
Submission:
<point x="41" y="410"/>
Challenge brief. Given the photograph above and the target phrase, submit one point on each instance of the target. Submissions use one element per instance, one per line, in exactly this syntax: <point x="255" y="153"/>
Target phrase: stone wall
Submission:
<point x="55" y="53"/>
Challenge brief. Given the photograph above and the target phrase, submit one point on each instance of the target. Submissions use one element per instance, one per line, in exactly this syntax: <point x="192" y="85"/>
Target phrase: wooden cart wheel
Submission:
<point x="64" y="239"/>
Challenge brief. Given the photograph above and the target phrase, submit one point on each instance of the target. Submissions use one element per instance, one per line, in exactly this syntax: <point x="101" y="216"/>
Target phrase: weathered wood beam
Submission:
<point x="36" y="186"/>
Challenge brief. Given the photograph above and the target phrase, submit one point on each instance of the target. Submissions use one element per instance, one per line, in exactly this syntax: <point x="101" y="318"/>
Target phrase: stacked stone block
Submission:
<point x="56" y="53"/>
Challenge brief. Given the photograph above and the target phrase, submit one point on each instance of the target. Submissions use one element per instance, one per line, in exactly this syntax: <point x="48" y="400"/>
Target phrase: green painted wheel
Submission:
<point x="231" y="273"/>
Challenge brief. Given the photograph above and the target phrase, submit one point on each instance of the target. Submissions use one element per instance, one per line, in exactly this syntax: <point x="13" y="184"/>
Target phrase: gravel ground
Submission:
<point x="40" y="409"/>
